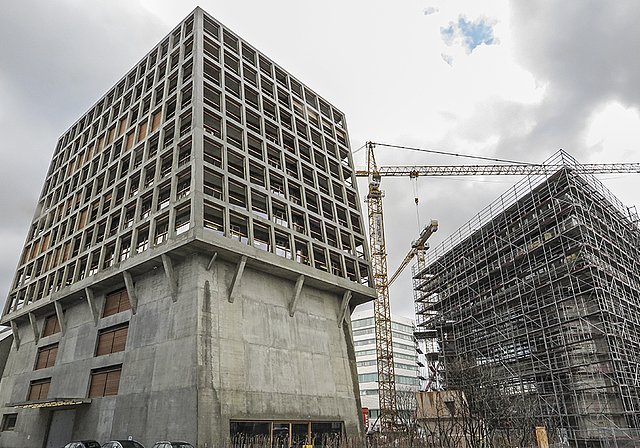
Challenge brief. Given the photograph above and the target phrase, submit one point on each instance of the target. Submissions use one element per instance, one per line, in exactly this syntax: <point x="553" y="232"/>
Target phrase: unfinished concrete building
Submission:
<point x="195" y="255"/>
<point x="544" y="286"/>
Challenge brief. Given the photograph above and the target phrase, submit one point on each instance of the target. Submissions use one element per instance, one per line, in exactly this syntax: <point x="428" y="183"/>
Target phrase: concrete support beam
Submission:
<point x="237" y="278"/>
<point x="91" y="301"/>
<point x="215" y="255"/>
<point x="34" y="327"/>
<point x="60" y="314"/>
<point x="16" y="335"/>
<point x="171" y="276"/>
<point x="296" y="295"/>
<point x="344" y="307"/>
<point x="131" y="291"/>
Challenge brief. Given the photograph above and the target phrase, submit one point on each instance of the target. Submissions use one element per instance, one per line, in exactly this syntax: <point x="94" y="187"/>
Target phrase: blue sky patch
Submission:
<point x="469" y="34"/>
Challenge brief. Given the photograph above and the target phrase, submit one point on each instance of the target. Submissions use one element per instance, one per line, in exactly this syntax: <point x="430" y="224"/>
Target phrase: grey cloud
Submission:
<point x="587" y="52"/>
<point x="57" y="59"/>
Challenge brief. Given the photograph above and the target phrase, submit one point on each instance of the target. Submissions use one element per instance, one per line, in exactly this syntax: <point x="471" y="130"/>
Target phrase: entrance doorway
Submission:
<point x="61" y="428"/>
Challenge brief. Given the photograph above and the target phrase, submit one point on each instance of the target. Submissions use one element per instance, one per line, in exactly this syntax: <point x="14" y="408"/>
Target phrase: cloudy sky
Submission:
<point x="508" y="79"/>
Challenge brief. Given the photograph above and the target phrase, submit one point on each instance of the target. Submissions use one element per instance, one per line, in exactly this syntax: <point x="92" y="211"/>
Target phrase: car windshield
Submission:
<point x="130" y="444"/>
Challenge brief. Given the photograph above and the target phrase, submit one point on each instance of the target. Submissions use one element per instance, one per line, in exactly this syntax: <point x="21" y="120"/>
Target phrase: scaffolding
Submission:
<point x="544" y="286"/>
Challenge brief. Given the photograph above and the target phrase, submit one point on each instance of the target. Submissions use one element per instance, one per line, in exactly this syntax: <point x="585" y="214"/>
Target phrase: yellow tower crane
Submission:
<point x="381" y="308"/>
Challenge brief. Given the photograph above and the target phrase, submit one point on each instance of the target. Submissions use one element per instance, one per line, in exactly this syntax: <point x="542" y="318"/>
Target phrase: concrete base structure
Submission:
<point x="194" y="365"/>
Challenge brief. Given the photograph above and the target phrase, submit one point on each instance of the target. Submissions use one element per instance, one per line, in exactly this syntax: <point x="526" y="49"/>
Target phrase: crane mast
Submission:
<point x="381" y="310"/>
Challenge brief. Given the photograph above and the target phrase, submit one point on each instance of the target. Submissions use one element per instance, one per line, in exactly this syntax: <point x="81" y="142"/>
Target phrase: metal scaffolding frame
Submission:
<point x="544" y="285"/>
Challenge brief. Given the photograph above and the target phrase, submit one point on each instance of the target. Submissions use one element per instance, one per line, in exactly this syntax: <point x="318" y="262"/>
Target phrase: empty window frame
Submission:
<point x="183" y="218"/>
<point x="211" y="72"/>
<point x="184" y="153"/>
<point x="237" y="194"/>
<point x="254" y="147"/>
<point x="279" y="213"/>
<point x="259" y="204"/>
<point x="164" y="196"/>
<point x="274" y="157"/>
<point x="261" y="236"/>
<point x="214" y="218"/>
<point x="212" y="152"/>
<point x="109" y="255"/>
<point x="302" y="252"/>
<point x="235" y="164"/>
<point x="282" y="244"/>
<point x="142" y="240"/>
<point x="211" y="97"/>
<point x="332" y="237"/>
<point x="234" y="135"/>
<point x="238" y="227"/>
<point x="256" y="174"/>
<point x="336" y="264"/>
<point x="105" y="382"/>
<point x="319" y="259"/>
<point x="233" y="110"/>
<point x="162" y="230"/>
<point x="211" y="49"/>
<point x="46" y="356"/>
<point x="145" y="206"/>
<point x="253" y="122"/>
<point x="276" y="184"/>
<point x="312" y="202"/>
<point x="112" y="340"/>
<point x="183" y="186"/>
<point x="298" y="221"/>
<point x="125" y="247"/>
<point x="315" y="229"/>
<point x="291" y="166"/>
<point x="295" y="193"/>
<point x="116" y="302"/>
<point x="213" y="184"/>
<point x="211" y="27"/>
<point x="251" y="97"/>
<point x="232" y="85"/>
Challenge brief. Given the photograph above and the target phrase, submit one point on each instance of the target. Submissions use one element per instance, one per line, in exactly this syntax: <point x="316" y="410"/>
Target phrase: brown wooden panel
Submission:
<point x="112" y="304"/>
<point x="34" y="392"/>
<point x="44" y="390"/>
<point x="113" y="382"/>
<point x="124" y="301"/>
<point x="39" y="389"/>
<point x="98" y="381"/>
<point x="51" y="326"/>
<point x="105" y="343"/>
<point x="53" y="352"/>
<point x="41" y="362"/>
<point x="119" y="339"/>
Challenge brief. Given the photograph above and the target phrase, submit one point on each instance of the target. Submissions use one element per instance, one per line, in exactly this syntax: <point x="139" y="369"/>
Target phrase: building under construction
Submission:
<point x="543" y="285"/>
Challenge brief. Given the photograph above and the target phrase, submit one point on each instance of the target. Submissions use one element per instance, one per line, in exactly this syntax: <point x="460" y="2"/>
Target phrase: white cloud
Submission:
<point x="615" y="131"/>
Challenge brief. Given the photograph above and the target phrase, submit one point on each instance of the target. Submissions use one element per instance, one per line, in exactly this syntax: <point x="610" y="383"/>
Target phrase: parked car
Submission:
<point x="172" y="445"/>
<point x="83" y="444"/>
<point x="122" y="444"/>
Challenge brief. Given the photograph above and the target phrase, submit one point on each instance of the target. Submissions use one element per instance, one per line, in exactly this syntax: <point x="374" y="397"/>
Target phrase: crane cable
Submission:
<point x="414" y="181"/>
<point x="434" y="151"/>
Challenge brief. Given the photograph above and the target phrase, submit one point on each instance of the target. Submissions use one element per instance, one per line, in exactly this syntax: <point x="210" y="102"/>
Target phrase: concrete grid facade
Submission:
<point x="405" y="360"/>
<point x="543" y="287"/>
<point x="198" y="244"/>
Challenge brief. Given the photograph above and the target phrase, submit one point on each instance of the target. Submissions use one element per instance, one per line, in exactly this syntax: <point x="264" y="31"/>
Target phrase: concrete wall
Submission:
<point x="192" y="365"/>
<point x="267" y="365"/>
